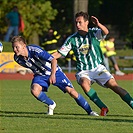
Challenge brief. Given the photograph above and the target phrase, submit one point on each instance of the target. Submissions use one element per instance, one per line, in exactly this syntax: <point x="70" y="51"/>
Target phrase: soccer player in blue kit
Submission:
<point x="46" y="72"/>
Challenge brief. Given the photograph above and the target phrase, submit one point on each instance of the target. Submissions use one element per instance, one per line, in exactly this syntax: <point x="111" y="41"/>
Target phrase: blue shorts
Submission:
<point x="61" y="81"/>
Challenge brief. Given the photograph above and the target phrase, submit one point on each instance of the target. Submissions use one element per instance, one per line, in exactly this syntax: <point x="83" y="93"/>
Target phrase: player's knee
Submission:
<point x="84" y="83"/>
<point x="35" y="90"/>
<point x="72" y="92"/>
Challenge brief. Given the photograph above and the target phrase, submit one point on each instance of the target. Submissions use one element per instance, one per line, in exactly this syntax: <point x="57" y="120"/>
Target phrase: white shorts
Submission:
<point x="99" y="75"/>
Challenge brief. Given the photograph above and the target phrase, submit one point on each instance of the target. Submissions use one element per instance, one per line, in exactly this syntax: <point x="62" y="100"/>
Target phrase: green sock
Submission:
<point x="93" y="96"/>
<point x="128" y="99"/>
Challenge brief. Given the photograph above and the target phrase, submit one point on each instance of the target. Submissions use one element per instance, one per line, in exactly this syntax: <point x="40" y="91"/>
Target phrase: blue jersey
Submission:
<point x="39" y="61"/>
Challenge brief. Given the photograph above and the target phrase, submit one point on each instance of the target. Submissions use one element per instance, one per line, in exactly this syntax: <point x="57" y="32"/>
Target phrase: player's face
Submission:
<point x="19" y="48"/>
<point x="81" y="24"/>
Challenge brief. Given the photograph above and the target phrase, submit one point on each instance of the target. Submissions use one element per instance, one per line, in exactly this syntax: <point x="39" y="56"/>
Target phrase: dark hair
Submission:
<point x="15" y="7"/>
<point x="83" y="14"/>
<point x="110" y="36"/>
<point x="18" y="39"/>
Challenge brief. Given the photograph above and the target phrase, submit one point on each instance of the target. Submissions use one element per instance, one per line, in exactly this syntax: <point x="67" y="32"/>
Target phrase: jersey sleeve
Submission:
<point x="98" y="34"/>
<point x="39" y="52"/>
<point x="66" y="47"/>
<point x="46" y="56"/>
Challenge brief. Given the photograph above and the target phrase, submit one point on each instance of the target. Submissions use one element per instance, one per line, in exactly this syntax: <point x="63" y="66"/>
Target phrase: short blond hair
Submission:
<point x="18" y="39"/>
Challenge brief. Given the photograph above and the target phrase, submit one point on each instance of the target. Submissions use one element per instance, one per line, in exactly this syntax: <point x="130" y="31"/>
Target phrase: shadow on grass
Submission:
<point x="113" y="118"/>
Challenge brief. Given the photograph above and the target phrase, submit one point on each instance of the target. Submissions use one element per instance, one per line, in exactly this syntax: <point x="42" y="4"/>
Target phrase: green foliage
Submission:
<point x="37" y="15"/>
<point x="64" y="19"/>
<point x="7" y="47"/>
<point x="120" y="13"/>
<point x="21" y="113"/>
<point x="130" y="33"/>
<point x="94" y="4"/>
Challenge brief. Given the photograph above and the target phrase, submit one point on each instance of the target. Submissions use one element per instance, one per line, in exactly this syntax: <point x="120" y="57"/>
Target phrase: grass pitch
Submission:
<point x="20" y="112"/>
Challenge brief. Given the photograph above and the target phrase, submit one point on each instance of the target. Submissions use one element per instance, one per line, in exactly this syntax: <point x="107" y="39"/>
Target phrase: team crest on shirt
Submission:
<point x="84" y="49"/>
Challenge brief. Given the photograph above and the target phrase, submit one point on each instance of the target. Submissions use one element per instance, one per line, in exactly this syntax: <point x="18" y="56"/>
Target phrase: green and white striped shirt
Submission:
<point x="86" y="49"/>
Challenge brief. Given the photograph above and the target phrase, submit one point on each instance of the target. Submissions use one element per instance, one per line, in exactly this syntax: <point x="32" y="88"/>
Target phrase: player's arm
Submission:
<point x="56" y="55"/>
<point x="101" y="26"/>
<point x="64" y="50"/>
<point x="52" y="78"/>
<point x="47" y="57"/>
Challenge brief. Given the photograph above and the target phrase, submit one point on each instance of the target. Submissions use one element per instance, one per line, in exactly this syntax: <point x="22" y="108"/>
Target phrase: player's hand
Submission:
<point x="94" y="20"/>
<point x="52" y="79"/>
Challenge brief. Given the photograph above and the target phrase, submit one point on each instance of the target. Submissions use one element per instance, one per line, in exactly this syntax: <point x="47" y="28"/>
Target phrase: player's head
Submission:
<point x="18" y="39"/>
<point x="18" y="45"/>
<point x="82" y="14"/>
<point x="82" y="21"/>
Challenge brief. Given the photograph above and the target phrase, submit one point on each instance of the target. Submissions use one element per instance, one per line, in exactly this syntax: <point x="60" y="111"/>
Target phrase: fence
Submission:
<point x="8" y="65"/>
<point x="70" y="68"/>
<point x="126" y="58"/>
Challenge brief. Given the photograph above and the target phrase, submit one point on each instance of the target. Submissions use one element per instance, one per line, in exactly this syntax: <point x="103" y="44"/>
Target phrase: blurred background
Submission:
<point x="39" y="16"/>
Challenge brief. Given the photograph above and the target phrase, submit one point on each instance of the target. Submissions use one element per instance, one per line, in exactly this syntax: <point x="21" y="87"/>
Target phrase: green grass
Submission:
<point x="20" y="112"/>
<point x="7" y="47"/>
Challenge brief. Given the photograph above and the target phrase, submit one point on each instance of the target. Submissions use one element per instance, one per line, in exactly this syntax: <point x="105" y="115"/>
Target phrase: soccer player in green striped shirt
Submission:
<point x="85" y="44"/>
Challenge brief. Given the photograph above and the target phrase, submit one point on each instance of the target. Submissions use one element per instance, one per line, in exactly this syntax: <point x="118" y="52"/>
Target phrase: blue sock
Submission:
<point x="83" y="103"/>
<point x="44" y="98"/>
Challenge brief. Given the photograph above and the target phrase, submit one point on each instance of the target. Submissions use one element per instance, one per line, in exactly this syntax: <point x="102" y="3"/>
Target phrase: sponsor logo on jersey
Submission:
<point x="84" y="49"/>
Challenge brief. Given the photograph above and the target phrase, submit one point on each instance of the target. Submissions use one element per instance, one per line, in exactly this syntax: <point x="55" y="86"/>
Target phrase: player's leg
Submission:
<point x="80" y="100"/>
<point x="112" y="84"/>
<point x="64" y="84"/>
<point x="92" y="94"/>
<point x="37" y="92"/>
<point x="107" y="80"/>
<point x="38" y="88"/>
<point x="85" y="83"/>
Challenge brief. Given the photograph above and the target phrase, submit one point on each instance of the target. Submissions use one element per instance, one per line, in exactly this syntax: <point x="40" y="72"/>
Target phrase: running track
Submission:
<point x="71" y="76"/>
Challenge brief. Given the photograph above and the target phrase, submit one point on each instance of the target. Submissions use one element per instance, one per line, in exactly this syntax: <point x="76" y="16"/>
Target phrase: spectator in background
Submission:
<point x="12" y="18"/>
<point x="104" y="50"/>
<point x="110" y="47"/>
<point x="49" y="42"/>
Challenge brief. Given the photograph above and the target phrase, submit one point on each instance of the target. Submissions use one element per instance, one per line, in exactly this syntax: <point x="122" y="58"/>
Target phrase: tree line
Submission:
<point x="39" y="15"/>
